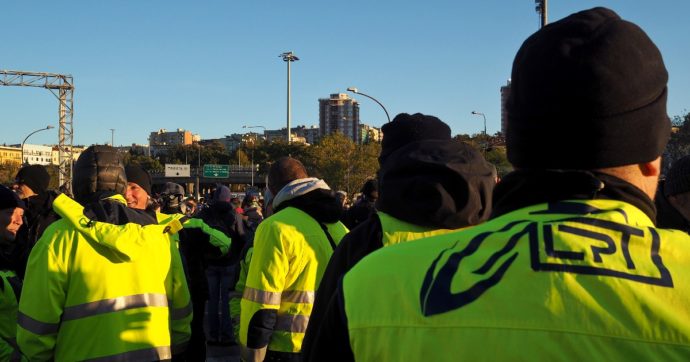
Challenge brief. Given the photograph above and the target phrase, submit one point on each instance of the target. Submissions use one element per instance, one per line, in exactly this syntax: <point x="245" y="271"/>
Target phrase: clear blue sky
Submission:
<point x="213" y="66"/>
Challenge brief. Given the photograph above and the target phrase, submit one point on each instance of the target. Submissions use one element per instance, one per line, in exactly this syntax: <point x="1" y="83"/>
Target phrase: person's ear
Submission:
<point x="651" y="168"/>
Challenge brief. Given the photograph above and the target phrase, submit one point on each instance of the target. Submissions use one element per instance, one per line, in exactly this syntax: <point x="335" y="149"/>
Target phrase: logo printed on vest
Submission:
<point x="600" y="247"/>
<point x="436" y="296"/>
<point x="575" y="244"/>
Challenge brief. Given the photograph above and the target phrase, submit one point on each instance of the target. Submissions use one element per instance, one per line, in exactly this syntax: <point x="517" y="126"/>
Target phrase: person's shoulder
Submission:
<point x="406" y="257"/>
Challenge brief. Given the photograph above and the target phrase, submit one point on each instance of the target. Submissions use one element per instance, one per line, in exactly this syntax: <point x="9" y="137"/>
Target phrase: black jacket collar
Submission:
<point x="320" y="204"/>
<point x="530" y="187"/>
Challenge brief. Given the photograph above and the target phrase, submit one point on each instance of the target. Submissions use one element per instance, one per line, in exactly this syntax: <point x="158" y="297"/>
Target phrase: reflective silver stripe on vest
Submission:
<point x="149" y="354"/>
<point x="180" y="313"/>
<point x="297" y="296"/>
<point x="114" y="305"/>
<point x="261" y="296"/>
<point x="36" y="327"/>
<point x="274" y="298"/>
<point x="292" y="323"/>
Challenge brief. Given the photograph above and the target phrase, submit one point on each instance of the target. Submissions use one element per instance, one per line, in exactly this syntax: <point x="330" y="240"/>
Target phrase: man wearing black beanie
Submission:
<point x="11" y="212"/>
<point x="428" y="184"/>
<point x="31" y="185"/>
<point x="570" y="266"/>
<point x="138" y="192"/>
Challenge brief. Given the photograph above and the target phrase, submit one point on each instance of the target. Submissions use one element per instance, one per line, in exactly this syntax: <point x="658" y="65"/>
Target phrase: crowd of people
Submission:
<point x="580" y="253"/>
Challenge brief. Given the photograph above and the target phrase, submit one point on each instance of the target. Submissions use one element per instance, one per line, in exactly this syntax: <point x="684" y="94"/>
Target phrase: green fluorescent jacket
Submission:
<point x="99" y="290"/>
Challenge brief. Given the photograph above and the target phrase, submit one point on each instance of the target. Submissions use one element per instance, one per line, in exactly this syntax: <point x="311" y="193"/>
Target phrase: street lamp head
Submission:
<point x="288" y="57"/>
<point x="475" y="112"/>
<point x="352" y="89"/>
<point x="49" y="127"/>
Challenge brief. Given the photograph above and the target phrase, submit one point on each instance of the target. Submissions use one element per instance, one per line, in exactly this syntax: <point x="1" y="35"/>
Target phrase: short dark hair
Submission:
<point x="284" y="171"/>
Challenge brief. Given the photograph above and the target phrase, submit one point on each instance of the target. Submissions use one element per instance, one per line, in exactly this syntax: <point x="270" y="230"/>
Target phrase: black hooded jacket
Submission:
<point x="222" y="216"/>
<point x="39" y="215"/>
<point x="434" y="183"/>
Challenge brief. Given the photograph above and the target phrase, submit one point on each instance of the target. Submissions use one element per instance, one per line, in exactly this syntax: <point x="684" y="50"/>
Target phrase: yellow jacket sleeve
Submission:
<point x="9" y="351"/>
<point x="265" y="279"/>
<point x="181" y="304"/>
<point x="42" y="298"/>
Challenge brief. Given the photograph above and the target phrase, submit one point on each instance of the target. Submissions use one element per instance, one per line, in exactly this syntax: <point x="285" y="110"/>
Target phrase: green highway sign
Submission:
<point x="217" y="171"/>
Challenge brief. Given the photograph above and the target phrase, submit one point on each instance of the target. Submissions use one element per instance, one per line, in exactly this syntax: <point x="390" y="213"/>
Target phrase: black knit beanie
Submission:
<point x="405" y="129"/>
<point x="9" y="199"/>
<point x="139" y="176"/>
<point x="678" y="178"/>
<point x="34" y="176"/>
<point x="587" y="92"/>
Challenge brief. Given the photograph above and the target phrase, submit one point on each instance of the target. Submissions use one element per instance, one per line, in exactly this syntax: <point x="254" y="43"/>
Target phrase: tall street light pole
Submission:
<point x="483" y="116"/>
<point x="288" y="57"/>
<point x="26" y="162"/>
<point x="198" y="169"/>
<point x="541" y="6"/>
<point x="112" y="137"/>
<point x="356" y="91"/>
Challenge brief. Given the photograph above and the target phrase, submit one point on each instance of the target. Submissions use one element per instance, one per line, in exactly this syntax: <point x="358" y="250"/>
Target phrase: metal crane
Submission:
<point x="62" y="87"/>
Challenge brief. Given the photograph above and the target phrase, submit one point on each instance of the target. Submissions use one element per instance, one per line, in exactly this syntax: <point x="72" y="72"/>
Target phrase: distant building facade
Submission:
<point x="273" y="135"/>
<point x="369" y="134"/>
<point x="162" y="140"/>
<point x="37" y="154"/>
<point x="55" y="154"/>
<point x="505" y="92"/>
<point x="310" y="134"/>
<point x="10" y="155"/>
<point x="339" y="113"/>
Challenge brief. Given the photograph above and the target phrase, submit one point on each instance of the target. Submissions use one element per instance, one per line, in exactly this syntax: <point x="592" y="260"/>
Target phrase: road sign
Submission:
<point x="173" y="170"/>
<point x="217" y="171"/>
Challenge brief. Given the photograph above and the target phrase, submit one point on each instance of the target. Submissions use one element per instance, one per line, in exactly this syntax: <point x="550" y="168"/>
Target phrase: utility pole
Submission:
<point x="541" y="7"/>
<point x="289" y="57"/>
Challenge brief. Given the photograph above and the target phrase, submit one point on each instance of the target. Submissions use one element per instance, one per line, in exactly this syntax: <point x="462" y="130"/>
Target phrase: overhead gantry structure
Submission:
<point x="62" y="87"/>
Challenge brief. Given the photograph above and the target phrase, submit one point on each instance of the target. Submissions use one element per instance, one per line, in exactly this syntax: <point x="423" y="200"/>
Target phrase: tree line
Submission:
<point x="342" y="163"/>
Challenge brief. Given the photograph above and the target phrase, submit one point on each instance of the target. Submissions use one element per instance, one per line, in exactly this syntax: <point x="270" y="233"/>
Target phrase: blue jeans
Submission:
<point x="219" y="279"/>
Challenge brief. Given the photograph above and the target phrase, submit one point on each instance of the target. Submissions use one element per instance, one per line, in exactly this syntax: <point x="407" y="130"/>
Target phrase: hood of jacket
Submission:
<point x="311" y="195"/>
<point x="436" y="183"/>
<point x="298" y="188"/>
<point x="110" y="224"/>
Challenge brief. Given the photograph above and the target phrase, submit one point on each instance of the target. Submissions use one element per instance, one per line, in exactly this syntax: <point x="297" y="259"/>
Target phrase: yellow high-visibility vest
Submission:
<point x="572" y="280"/>
<point x="98" y="290"/>
<point x="9" y="351"/>
<point x="290" y="255"/>
<point x="395" y="231"/>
